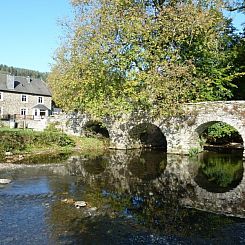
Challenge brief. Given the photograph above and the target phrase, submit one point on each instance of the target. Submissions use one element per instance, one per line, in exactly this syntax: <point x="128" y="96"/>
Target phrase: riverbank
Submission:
<point x="17" y="144"/>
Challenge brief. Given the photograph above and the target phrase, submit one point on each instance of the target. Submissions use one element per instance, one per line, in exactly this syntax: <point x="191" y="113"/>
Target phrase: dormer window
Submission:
<point x="40" y="100"/>
<point x="24" y="98"/>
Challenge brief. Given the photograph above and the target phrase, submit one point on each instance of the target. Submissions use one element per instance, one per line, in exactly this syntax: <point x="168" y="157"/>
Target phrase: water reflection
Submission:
<point x="149" y="165"/>
<point x="131" y="195"/>
<point x="219" y="172"/>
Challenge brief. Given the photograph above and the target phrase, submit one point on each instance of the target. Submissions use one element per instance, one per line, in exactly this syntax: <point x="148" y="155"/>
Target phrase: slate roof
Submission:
<point x="25" y="85"/>
<point x="40" y="107"/>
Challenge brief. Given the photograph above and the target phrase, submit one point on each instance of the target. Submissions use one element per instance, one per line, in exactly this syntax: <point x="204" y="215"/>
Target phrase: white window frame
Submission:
<point x="26" y="98"/>
<point x="40" y="98"/>
<point x="1" y="96"/>
<point x="23" y="110"/>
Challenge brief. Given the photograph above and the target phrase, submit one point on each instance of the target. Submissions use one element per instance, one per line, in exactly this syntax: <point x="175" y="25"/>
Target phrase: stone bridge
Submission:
<point x="177" y="134"/>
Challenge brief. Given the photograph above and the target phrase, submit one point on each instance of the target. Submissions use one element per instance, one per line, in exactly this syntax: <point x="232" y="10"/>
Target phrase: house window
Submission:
<point x="35" y="112"/>
<point x="23" y="112"/>
<point x="40" y="100"/>
<point x="24" y="98"/>
<point x="1" y="96"/>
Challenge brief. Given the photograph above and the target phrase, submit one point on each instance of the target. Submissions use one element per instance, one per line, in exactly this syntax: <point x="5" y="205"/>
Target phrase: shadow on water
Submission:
<point x="133" y="197"/>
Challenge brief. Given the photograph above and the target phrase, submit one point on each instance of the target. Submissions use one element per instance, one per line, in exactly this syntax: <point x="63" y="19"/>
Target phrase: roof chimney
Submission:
<point x="28" y="79"/>
<point x="10" y="81"/>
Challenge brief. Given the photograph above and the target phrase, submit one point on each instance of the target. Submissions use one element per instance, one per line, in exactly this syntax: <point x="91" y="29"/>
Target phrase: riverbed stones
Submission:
<point x="80" y="204"/>
<point x="8" y="153"/>
<point x="68" y="201"/>
<point x="5" y="181"/>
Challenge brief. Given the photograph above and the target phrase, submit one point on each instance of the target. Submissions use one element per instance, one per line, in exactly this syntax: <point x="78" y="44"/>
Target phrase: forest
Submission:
<point x="22" y="72"/>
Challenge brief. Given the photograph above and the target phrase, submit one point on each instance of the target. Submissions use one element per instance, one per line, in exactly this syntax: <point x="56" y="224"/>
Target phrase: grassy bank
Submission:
<point x="19" y="141"/>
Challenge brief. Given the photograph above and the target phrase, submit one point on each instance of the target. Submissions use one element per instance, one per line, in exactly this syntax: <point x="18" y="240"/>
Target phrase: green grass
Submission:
<point x="19" y="141"/>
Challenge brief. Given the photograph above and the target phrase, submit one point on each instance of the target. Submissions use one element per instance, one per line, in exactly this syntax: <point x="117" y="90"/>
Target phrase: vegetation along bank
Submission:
<point x="16" y="144"/>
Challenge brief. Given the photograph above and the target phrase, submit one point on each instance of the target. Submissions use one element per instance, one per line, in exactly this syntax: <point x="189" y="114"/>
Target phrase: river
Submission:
<point x="132" y="197"/>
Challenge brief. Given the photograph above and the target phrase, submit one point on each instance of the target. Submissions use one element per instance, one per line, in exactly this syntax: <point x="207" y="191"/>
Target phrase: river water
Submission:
<point x="133" y="197"/>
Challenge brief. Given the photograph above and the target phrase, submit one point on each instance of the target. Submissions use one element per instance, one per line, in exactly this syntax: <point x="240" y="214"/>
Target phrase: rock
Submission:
<point x="93" y="209"/>
<point x="80" y="204"/>
<point x="8" y="153"/>
<point x="5" y="181"/>
<point x="68" y="200"/>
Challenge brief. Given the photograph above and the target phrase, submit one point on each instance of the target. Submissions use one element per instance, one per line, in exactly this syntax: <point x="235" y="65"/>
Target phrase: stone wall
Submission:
<point x="182" y="134"/>
<point x="11" y="103"/>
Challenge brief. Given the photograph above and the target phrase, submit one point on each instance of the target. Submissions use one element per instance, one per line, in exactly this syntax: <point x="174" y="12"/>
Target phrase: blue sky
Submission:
<point x="30" y="32"/>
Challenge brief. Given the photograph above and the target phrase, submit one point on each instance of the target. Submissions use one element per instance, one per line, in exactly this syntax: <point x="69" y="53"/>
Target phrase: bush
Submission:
<point x="12" y="141"/>
<point x="57" y="138"/>
<point x="18" y="140"/>
<point x="221" y="133"/>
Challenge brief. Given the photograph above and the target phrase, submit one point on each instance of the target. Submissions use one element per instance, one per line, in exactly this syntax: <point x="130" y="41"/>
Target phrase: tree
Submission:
<point x="22" y="72"/>
<point x="239" y="64"/>
<point x="237" y="5"/>
<point x="126" y="55"/>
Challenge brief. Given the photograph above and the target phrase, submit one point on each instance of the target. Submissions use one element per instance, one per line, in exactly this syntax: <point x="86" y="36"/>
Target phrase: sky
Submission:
<point x="30" y="33"/>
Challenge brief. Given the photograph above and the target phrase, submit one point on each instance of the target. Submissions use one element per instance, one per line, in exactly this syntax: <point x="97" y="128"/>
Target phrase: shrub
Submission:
<point x="58" y="138"/>
<point x="221" y="133"/>
<point x="12" y="141"/>
<point x="17" y="140"/>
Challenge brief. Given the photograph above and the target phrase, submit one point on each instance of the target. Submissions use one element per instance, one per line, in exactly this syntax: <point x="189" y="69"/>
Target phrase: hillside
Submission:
<point x="22" y="72"/>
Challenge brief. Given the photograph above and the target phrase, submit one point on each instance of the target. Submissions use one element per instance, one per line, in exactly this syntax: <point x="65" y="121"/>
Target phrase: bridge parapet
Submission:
<point x="181" y="133"/>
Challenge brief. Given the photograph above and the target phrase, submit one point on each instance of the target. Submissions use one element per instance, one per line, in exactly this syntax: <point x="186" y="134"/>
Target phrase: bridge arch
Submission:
<point x="203" y="123"/>
<point x="92" y="127"/>
<point x="147" y="135"/>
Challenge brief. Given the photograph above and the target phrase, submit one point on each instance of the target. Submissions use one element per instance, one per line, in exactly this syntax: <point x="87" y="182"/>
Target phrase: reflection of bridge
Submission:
<point x="119" y="174"/>
<point x="181" y="134"/>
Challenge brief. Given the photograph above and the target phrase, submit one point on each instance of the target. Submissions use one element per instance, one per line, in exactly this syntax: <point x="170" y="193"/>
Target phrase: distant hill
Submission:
<point x="22" y="72"/>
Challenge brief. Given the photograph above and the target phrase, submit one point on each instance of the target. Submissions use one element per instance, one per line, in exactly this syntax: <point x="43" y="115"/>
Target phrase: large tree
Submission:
<point x="126" y="55"/>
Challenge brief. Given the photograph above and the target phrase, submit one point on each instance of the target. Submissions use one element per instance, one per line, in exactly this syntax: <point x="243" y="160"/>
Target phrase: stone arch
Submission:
<point x="205" y="121"/>
<point x="95" y="127"/>
<point x="147" y="135"/>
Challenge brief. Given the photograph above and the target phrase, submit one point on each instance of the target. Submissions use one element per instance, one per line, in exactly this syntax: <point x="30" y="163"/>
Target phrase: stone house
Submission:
<point x="24" y="98"/>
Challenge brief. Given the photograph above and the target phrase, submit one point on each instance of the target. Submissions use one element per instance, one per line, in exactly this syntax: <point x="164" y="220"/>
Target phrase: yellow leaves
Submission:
<point x="121" y="57"/>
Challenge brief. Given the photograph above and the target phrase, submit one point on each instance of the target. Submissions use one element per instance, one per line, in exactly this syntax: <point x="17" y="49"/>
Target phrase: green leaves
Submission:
<point x="122" y="56"/>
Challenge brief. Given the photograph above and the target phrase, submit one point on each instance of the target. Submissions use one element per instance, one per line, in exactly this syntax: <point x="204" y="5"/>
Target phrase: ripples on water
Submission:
<point x="134" y="197"/>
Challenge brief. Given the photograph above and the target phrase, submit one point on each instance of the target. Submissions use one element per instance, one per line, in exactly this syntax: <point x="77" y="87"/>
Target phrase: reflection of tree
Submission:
<point x="139" y="190"/>
<point x="45" y="158"/>
<point x="159" y="213"/>
<point x="220" y="173"/>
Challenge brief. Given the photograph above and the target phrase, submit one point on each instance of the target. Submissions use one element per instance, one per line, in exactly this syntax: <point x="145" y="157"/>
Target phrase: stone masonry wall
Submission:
<point x="11" y="103"/>
<point x="182" y="134"/>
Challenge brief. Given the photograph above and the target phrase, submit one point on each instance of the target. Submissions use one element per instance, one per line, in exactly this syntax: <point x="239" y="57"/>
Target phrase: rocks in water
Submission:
<point x="80" y="204"/>
<point x="5" y="181"/>
<point x="68" y="200"/>
<point x="8" y="153"/>
<point x="93" y="209"/>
